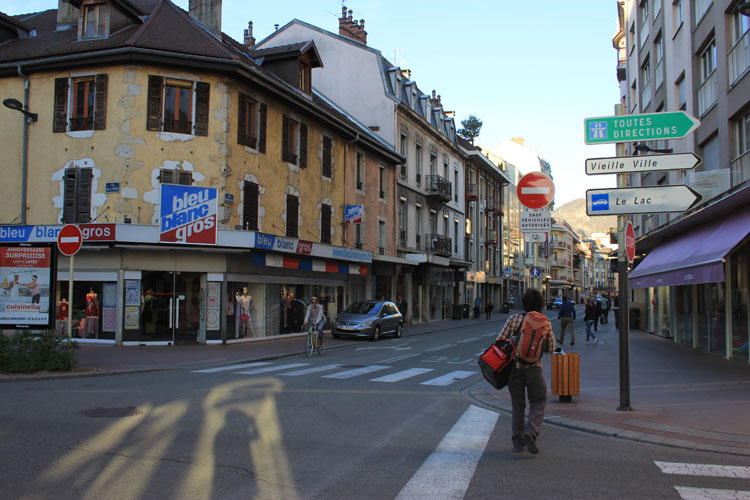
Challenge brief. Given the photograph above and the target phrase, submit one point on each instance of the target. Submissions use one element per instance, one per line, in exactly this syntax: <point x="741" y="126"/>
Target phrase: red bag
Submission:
<point x="497" y="363"/>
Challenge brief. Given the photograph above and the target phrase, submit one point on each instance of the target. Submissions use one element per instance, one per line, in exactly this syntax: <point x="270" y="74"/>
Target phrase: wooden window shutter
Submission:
<point x="202" y="92"/>
<point x="184" y="178"/>
<point x="167" y="176"/>
<point x="292" y="215"/>
<point x="100" y="102"/>
<point x="69" y="196"/>
<point x="241" y="120"/>
<point x="60" y="123"/>
<point x="325" y="224"/>
<point x="285" y="140"/>
<point x="327" y="150"/>
<point x="303" y="145"/>
<point x="154" y="112"/>
<point x="262" y="131"/>
<point x="250" y="207"/>
<point x="83" y="196"/>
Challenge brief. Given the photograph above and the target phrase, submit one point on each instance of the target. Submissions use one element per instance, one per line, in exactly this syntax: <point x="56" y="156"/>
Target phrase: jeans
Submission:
<point x="522" y="381"/>
<point x="589" y="333"/>
<point x="565" y="322"/>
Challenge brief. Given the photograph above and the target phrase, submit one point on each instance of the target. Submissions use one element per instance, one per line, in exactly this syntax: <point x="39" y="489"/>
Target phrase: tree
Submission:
<point x="471" y="127"/>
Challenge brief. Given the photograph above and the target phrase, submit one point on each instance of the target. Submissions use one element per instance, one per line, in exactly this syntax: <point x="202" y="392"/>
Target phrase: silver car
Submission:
<point x="369" y="318"/>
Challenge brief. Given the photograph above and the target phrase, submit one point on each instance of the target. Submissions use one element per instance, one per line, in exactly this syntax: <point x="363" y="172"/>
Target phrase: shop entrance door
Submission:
<point x="171" y="301"/>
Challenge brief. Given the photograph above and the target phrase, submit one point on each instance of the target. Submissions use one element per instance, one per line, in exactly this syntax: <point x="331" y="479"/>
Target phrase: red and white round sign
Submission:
<point x="630" y="241"/>
<point x="69" y="240"/>
<point x="535" y="190"/>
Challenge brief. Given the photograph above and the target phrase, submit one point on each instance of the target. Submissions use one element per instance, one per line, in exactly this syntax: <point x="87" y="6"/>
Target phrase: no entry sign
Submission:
<point x="630" y="242"/>
<point x="69" y="240"/>
<point x="535" y="190"/>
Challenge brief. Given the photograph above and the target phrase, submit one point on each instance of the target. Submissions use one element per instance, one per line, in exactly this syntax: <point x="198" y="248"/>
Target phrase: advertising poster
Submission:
<point x="213" y="306"/>
<point x="25" y="282"/>
<point x="132" y="317"/>
<point x="187" y="214"/>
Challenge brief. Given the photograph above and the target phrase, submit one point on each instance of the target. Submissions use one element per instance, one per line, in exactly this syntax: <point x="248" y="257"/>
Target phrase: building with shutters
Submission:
<point x="202" y="171"/>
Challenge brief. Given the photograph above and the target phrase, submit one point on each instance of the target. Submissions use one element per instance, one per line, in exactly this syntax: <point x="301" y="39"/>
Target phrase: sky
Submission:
<point x="526" y="69"/>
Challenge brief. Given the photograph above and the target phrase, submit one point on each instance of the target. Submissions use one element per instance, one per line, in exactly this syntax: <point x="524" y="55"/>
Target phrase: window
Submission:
<point x="80" y="103"/>
<point x="645" y="84"/>
<point x="360" y="171"/>
<point x="418" y="163"/>
<point x="304" y="77"/>
<point x="381" y="182"/>
<point x="250" y="193"/>
<point x="77" y="195"/>
<point x="358" y="235"/>
<point x="404" y="150"/>
<point x="433" y="164"/>
<point x="455" y="186"/>
<point x="251" y="123"/>
<point x="292" y="216"/>
<point x="708" y="61"/>
<point x="294" y="142"/>
<point x="740" y="165"/>
<point x="418" y="226"/>
<point x="739" y="53"/>
<point x="327" y="164"/>
<point x="643" y="27"/>
<point x="402" y="222"/>
<point x="681" y="99"/>
<point x="94" y="20"/>
<point x="707" y="89"/>
<point x="325" y="223"/>
<point x="701" y="7"/>
<point x="678" y="15"/>
<point x="657" y="8"/>
<point x="382" y="237"/>
<point x="178" y="106"/>
<point x="171" y="176"/>
<point x="658" y="57"/>
<point x="633" y="96"/>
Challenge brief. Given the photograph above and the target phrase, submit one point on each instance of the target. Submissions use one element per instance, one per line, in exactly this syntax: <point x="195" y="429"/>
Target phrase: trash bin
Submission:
<point x="457" y="311"/>
<point x="467" y="310"/>
<point x="506" y="307"/>
<point x="635" y="318"/>
<point x="566" y="375"/>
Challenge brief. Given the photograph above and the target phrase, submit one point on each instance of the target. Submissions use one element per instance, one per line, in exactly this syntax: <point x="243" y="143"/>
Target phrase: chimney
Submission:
<point x="208" y="14"/>
<point x="350" y="28"/>
<point x="249" y="38"/>
<point x="67" y="15"/>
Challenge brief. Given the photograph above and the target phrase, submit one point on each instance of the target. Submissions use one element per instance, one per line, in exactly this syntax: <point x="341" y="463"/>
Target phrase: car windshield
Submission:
<point x="361" y="307"/>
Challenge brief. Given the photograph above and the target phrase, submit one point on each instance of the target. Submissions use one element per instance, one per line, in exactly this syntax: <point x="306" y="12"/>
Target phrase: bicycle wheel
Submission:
<point x="309" y="344"/>
<point x="321" y="343"/>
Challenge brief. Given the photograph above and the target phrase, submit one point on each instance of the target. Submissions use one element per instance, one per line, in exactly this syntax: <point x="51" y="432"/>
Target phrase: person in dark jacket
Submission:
<point x="589" y="317"/>
<point x="402" y="305"/>
<point x="598" y="306"/>
<point x="566" y="316"/>
<point x="488" y="306"/>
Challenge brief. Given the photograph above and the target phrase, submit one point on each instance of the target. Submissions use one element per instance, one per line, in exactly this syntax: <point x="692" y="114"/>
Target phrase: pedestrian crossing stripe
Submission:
<point x="357" y="371"/>
<point x="308" y="371"/>
<point x="706" y="470"/>
<point x="449" y="378"/>
<point x="231" y="367"/>
<point x="687" y="493"/>
<point x="267" y="369"/>
<point x="402" y="375"/>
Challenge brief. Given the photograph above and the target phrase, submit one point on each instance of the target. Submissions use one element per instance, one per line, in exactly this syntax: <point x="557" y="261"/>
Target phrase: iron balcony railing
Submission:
<point x="438" y="244"/>
<point x="439" y="187"/>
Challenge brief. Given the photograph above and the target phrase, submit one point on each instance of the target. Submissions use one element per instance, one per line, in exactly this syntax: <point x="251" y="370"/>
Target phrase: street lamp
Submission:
<point x="30" y="118"/>
<point x="643" y="148"/>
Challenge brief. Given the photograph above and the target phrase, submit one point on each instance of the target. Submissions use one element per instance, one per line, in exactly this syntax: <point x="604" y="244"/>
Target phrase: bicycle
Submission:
<point x="315" y="341"/>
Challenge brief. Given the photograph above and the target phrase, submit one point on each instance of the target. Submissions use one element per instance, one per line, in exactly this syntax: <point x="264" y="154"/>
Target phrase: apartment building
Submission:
<point x="691" y="279"/>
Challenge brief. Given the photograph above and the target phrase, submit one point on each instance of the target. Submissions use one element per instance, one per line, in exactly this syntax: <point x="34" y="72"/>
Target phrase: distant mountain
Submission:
<point x="574" y="213"/>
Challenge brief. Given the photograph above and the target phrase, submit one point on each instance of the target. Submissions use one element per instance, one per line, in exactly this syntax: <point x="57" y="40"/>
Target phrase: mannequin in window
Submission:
<point x="237" y="312"/>
<point x="246" y="302"/>
<point x="91" y="326"/>
<point x="62" y="317"/>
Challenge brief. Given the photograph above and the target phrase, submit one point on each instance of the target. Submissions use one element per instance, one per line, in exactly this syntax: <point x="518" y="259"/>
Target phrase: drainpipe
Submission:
<point x="347" y="293"/>
<point x="25" y="154"/>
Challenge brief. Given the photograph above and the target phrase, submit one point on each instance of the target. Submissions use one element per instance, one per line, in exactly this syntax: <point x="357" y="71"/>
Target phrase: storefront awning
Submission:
<point x="696" y="256"/>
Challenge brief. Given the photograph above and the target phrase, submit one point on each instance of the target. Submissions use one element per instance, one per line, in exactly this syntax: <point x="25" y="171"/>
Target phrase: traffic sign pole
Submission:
<point x="70" y="298"/>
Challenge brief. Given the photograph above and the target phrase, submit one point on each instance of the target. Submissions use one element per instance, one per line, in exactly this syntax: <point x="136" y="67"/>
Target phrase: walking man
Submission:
<point x="566" y="316"/>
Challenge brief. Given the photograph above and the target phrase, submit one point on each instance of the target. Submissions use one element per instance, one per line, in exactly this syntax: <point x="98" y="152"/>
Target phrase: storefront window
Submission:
<point x="740" y="272"/>
<point x="665" y="323"/>
<point x="170" y="307"/>
<point x="711" y="318"/>
<point x="94" y="309"/>
<point x="684" y="310"/>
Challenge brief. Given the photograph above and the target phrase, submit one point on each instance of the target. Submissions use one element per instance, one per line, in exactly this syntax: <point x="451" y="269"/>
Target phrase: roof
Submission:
<point x="285" y="51"/>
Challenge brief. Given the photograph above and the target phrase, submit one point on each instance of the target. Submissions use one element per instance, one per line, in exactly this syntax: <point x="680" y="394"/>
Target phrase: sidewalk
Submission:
<point x="679" y="397"/>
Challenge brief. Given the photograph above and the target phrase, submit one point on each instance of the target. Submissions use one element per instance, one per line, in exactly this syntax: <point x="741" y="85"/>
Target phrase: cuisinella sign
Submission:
<point x="188" y="214"/>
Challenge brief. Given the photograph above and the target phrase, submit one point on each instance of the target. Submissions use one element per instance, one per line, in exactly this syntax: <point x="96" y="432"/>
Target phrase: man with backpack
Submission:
<point x="533" y="335"/>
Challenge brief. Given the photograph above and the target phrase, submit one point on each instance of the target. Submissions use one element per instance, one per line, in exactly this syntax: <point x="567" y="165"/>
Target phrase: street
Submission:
<point x="386" y="420"/>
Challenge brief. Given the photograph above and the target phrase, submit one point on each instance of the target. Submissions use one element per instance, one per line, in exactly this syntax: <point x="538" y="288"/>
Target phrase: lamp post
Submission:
<point x="30" y="118"/>
<point x="643" y="148"/>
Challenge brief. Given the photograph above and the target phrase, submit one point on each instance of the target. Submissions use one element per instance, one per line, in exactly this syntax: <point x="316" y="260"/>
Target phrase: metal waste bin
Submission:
<point x="566" y="375"/>
<point x="467" y="310"/>
<point x="506" y="307"/>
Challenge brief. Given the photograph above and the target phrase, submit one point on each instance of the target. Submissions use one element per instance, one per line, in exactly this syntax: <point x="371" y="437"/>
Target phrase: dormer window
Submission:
<point x="94" y="20"/>
<point x="305" y="84"/>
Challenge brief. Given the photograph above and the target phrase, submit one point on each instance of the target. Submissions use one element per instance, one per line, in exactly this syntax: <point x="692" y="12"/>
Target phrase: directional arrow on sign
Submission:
<point x="643" y="164"/>
<point x="646" y="127"/>
<point x="640" y="200"/>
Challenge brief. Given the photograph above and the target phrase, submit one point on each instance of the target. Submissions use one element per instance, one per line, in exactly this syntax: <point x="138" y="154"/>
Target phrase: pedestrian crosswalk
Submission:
<point x="707" y="470"/>
<point x="424" y="376"/>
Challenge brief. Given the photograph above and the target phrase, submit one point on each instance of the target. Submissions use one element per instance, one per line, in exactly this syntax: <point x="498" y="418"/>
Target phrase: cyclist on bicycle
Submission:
<point x="315" y="314"/>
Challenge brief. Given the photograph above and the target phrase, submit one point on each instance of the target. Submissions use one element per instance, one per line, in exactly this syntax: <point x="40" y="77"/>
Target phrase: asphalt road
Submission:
<point x="372" y="420"/>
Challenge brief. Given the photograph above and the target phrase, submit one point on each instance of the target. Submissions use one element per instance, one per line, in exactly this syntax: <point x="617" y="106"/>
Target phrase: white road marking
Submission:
<point x="448" y="470"/>
<point x="232" y="367"/>
<point x="389" y="348"/>
<point x="357" y="371"/>
<point x="440" y="347"/>
<point x="395" y="377"/>
<point x="271" y="369"/>
<point x="400" y="358"/>
<point x="706" y="470"/>
<point x="464" y="341"/>
<point x="449" y="378"/>
<point x="687" y="493"/>
<point x="307" y="371"/>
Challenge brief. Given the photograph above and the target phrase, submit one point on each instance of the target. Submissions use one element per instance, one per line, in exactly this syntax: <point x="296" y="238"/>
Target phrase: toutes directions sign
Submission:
<point x="632" y="128"/>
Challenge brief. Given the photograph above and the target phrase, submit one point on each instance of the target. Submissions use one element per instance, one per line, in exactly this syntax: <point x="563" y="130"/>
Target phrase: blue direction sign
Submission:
<point x="640" y="200"/>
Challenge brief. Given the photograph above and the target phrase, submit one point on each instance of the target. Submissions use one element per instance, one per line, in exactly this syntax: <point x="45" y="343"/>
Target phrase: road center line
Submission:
<point x="448" y="470"/>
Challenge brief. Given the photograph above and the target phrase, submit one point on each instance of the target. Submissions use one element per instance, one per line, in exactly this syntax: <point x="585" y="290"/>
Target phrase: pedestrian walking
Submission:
<point x="605" y="309"/>
<point x="527" y="378"/>
<point x="488" y="306"/>
<point x="566" y="316"/>
<point x="598" y="305"/>
<point x="477" y="305"/>
<point x="589" y="317"/>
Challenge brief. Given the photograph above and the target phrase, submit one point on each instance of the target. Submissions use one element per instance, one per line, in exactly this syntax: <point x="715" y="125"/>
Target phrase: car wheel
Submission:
<point x="398" y="332"/>
<point x="376" y="333"/>
<point x="336" y="335"/>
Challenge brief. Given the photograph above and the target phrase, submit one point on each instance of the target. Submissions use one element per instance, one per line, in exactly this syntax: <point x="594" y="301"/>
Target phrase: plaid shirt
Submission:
<point x="513" y="324"/>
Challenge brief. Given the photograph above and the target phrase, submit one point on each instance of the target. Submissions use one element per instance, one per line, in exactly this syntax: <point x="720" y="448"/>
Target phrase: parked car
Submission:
<point x="556" y="303"/>
<point x="369" y="318"/>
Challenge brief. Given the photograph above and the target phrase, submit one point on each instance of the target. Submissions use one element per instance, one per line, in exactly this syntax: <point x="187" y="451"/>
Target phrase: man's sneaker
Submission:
<point x="530" y="443"/>
<point x="595" y="341"/>
<point x="518" y="450"/>
<point x="587" y="342"/>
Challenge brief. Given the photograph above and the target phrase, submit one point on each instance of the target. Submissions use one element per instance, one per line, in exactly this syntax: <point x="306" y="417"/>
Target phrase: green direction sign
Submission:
<point x="632" y="128"/>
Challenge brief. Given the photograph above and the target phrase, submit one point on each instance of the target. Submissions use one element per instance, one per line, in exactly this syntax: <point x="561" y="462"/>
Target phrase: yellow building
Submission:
<point x="208" y="178"/>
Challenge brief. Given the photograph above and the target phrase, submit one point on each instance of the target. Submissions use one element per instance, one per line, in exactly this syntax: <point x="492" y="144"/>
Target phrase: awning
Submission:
<point x="697" y="256"/>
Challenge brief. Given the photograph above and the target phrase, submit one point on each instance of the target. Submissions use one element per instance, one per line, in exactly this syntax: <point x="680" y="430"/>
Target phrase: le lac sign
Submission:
<point x="640" y="200"/>
<point x="646" y="127"/>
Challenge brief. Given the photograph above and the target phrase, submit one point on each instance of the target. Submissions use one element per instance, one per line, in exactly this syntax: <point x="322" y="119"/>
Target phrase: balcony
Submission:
<point x="707" y="94"/>
<point x="658" y="75"/>
<point x="402" y="238"/>
<point x="558" y="263"/>
<point x="438" y="188"/>
<point x="646" y="95"/>
<point x="491" y="238"/>
<point x="739" y="58"/>
<point x="471" y="192"/>
<point x="740" y="169"/>
<point x="438" y="244"/>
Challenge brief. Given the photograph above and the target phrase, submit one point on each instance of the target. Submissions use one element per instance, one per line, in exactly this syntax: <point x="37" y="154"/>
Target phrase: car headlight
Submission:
<point x="369" y="322"/>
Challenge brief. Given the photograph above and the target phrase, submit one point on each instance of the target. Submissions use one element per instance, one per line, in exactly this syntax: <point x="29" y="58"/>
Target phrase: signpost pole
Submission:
<point x="624" y="292"/>
<point x="70" y="297"/>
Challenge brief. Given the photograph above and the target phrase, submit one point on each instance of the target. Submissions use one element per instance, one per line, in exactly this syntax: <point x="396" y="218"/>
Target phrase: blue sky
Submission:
<point x="526" y="69"/>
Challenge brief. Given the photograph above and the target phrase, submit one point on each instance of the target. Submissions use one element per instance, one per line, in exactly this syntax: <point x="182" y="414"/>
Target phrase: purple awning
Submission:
<point x="694" y="257"/>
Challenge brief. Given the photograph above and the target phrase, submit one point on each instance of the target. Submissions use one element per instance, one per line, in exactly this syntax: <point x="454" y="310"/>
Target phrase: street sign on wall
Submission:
<point x="642" y="164"/>
<point x="640" y="200"/>
<point x="535" y="190"/>
<point x="646" y="127"/>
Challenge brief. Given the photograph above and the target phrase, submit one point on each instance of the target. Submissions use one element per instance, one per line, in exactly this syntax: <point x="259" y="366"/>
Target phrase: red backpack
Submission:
<point x="531" y="336"/>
